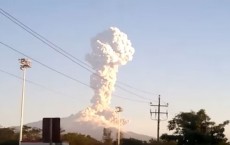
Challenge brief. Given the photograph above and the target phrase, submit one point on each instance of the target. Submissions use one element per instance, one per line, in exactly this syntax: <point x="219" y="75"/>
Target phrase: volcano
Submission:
<point x="71" y="125"/>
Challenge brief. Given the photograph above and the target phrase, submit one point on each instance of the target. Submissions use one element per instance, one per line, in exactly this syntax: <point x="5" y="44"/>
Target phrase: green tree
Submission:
<point x="31" y="134"/>
<point x="79" y="139"/>
<point x="155" y="142"/>
<point x="191" y="128"/>
<point x="107" y="139"/>
<point x="8" y="136"/>
<point x="131" y="141"/>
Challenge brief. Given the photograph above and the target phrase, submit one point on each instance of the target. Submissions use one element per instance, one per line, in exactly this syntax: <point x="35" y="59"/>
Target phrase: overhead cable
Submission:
<point x="67" y="55"/>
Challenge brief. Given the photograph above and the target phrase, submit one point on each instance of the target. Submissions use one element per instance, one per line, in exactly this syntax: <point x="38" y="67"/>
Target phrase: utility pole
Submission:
<point x="158" y="113"/>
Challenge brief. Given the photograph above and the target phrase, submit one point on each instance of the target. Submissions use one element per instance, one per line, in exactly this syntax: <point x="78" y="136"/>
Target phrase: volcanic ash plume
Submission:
<point x="110" y="49"/>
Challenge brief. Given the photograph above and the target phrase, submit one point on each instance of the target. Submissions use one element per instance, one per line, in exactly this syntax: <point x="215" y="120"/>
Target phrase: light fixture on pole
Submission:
<point x="25" y="63"/>
<point x="118" y="110"/>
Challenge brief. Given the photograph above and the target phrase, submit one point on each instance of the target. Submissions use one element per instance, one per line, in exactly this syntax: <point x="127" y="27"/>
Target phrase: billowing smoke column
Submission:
<point x="110" y="49"/>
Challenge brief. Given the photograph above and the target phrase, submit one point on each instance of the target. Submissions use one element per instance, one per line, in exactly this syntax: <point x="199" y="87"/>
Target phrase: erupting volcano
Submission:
<point x="110" y="49"/>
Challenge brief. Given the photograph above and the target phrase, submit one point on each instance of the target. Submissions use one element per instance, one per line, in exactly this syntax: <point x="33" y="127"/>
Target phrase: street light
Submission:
<point x="118" y="110"/>
<point x="25" y="63"/>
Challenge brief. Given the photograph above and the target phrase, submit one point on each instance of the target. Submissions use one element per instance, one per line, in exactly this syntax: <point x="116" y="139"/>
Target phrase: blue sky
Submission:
<point x="181" y="52"/>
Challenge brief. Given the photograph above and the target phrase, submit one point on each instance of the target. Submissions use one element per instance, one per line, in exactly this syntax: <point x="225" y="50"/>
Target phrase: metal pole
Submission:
<point x="25" y="63"/>
<point x="118" y="110"/>
<point x="158" y="120"/>
<point x="119" y="129"/>
<point x="51" y="131"/>
<point x="22" y="105"/>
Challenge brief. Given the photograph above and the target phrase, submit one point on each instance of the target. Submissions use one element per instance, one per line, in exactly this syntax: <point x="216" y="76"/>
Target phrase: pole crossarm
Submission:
<point x="158" y="112"/>
<point x="158" y="105"/>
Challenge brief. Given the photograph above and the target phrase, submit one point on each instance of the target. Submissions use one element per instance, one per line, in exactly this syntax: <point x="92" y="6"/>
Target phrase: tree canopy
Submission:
<point x="31" y="134"/>
<point x="191" y="128"/>
<point x="8" y="136"/>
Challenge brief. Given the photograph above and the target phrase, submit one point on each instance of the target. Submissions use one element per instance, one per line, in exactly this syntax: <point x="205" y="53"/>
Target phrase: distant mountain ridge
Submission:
<point x="69" y="124"/>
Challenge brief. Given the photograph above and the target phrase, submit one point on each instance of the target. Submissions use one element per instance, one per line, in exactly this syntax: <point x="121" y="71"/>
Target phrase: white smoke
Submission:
<point x="110" y="49"/>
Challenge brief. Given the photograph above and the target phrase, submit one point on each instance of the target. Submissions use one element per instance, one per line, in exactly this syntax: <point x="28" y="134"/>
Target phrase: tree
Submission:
<point x="79" y="139"/>
<point x="31" y="134"/>
<point x="131" y="141"/>
<point x="191" y="128"/>
<point x="155" y="142"/>
<point x="107" y="139"/>
<point x="8" y="136"/>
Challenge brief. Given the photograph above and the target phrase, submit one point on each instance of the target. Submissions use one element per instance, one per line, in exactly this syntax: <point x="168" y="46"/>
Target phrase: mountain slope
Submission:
<point x="70" y="124"/>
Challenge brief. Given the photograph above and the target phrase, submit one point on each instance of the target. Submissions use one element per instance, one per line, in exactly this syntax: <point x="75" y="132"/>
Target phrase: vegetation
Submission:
<point x="8" y="136"/>
<point x="190" y="128"/>
<point x="31" y="134"/>
<point x="79" y="139"/>
<point x="195" y="128"/>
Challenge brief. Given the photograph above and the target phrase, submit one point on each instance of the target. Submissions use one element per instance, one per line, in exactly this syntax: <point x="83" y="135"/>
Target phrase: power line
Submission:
<point x="63" y="74"/>
<point x="54" y="70"/>
<point x="58" y="92"/>
<point x="61" y="51"/>
<point x="130" y="92"/>
<point x="133" y="100"/>
<point x="34" y="83"/>
<point x="134" y="88"/>
<point x="44" y="40"/>
<point x="44" y="65"/>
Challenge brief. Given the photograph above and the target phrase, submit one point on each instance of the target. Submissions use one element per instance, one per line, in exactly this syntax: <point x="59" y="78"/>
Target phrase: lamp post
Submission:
<point x="24" y="64"/>
<point x="118" y="110"/>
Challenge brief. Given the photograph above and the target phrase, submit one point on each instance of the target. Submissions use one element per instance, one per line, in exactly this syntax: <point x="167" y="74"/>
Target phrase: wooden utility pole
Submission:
<point x="158" y="113"/>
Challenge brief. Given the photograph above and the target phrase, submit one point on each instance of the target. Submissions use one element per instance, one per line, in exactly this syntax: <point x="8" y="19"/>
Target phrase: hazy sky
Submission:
<point x="182" y="52"/>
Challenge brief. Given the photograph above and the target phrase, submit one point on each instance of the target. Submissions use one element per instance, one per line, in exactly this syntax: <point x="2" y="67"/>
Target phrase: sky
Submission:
<point x="181" y="53"/>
